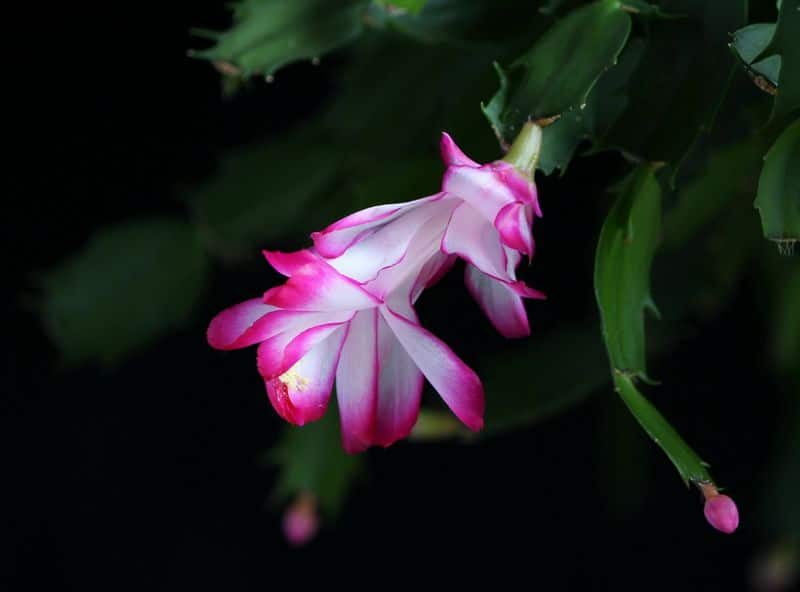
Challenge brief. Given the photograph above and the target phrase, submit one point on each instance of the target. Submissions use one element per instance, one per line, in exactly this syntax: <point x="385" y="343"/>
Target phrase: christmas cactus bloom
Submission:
<point x="322" y="325"/>
<point x="345" y="313"/>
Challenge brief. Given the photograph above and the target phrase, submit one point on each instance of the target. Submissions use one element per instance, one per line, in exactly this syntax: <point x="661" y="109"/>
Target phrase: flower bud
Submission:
<point x="720" y="510"/>
<point x="301" y="521"/>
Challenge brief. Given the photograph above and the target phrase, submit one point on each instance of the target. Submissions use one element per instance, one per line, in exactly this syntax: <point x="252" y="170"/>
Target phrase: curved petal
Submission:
<point x="319" y="287"/>
<point x="430" y="274"/>
<point x="400" y="385"/>
<point x="472" y="237"/>
<point x="513" y="257"/>
<point x="522" y="289"/>
<point x="455" y="382"/>
<point x="513" y="222"/>
<point x="288" y="263"/>
<point x="522" y="187"/>
<point x="452" y="154"/>
<point x="301" y="393"/>
<point x="390" y="243"/>
<point x="499" y="302"/>
<point x="240" y="325"/>
<point x="339" y="236"/>
<point x="357" y="382"/>
<point x="423" y="235"/>
<point x="281" y="351"/>
<point x="481" y="188"/>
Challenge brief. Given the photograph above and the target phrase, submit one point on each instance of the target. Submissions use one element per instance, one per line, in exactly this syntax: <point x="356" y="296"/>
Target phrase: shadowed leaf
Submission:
<point x="785" y="44"/>
<point x="778" y="199"/>
<point x="268" y="34"/>
<point x="260" y="192"/>
<point x="680" y="81"/>
<point x="403" y="6"/>
<point x="542" y="378"/>
<point x="605" y="103"/>
<point x="704" y="199"/>
<point x="748" y="44"/>
<point x="129" y="285"/>
<point x="311" y="460"/>
<point x="540" y="84"/>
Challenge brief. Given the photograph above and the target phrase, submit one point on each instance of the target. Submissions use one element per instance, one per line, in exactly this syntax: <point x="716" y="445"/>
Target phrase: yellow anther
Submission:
<point x="293" y="380"/>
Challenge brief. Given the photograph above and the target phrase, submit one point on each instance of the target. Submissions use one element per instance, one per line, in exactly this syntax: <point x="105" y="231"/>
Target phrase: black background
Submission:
<point x="146" y="477"/>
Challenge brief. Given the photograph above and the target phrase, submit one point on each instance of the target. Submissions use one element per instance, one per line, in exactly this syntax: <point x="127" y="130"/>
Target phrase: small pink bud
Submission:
<point x="301" y="521"/>
<point x="720" y="510"/>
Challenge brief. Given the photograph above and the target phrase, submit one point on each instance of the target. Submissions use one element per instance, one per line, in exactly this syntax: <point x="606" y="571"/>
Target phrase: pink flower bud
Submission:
<point x="301" y="521"/>
<point x="720" y="510"/>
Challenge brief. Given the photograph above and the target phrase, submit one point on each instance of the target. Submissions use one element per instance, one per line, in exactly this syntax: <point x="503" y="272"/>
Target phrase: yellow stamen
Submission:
<point x="293" y="380"/>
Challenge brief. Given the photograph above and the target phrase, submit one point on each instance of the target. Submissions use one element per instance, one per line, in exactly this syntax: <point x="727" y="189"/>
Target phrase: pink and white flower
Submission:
<point x="345" y="313"/>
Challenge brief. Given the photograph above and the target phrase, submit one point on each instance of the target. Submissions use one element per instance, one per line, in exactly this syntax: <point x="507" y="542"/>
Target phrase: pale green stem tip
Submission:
<point x="524" y="152"/>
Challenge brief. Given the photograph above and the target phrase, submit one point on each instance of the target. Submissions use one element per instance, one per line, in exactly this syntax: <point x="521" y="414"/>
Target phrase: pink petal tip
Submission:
<point x="452" y="154"/>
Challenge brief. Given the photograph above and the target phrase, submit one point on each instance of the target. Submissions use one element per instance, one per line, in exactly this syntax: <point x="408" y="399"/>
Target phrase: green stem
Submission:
<point x="524" y="152"/>
<point x="689" y="465"/>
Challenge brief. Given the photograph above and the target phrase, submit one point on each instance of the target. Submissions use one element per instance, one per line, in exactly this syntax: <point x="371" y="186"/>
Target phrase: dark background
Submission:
<point x="145" y="477"/>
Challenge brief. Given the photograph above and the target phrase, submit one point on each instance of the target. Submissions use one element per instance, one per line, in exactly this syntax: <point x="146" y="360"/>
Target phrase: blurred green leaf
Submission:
<point x="787" y="330"/>
<point x="268" y="34"/>
<point x="785" y="43"/>
<point x="782" y="277"/>
<point x="371" y="179"/>
<point x="625" y="252"/>
<point x="703" y="199"/>
<point x="681" y="79"/>
<point x="129" y="285"/>
<point x="407" y="6"/>
<point x="647" y="9"/>
<point x="780" y="513"/>
<point x="778" y="199"/>
<point x="557" y="73"/>
<point x="542" y="378"/>
<point x="368" y="180"/>
<point x="410" y="89"/>
<point x="311" y="460"/>
<point x="434" y="425"/>
<point x="709" y="233"/>
<point x="260" y="192"/>
<point x="467" y="23"/>
<point x="551" y="6"/>
<point x="700" y="276"/>
<point x="750" y="42"/>
<point x="689" y="465"/>
<point x="560" y="140"/>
